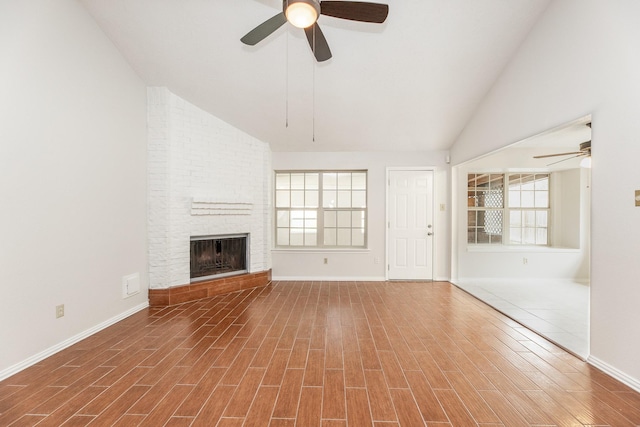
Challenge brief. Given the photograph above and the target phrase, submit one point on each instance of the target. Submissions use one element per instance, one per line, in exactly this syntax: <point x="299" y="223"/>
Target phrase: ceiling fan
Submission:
<point x="304" y="14"/>
<point x="584" y="151"/>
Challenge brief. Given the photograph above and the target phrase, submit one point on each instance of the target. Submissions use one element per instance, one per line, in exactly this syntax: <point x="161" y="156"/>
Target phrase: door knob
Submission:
<point x="429" y="234"/>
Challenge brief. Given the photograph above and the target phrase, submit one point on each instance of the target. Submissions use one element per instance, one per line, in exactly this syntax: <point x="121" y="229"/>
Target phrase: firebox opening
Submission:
<point x="218" y="256"/>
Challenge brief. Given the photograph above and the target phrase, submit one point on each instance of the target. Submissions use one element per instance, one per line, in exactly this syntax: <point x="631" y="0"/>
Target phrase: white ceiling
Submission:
<point x="408" y="84"/>
<point x="520" y="156"/>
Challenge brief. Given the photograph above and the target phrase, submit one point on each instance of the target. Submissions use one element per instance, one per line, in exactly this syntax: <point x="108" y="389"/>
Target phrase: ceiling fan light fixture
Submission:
<point x="586" y="162"/>
<point x="302" y="13"/>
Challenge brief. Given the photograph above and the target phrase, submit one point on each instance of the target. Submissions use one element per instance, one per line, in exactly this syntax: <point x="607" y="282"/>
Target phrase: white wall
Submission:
<point x="72" y="178"/>
<point x="583" y="57"/>
<point x="359" y="264"/>
<point x="193" y="154"/>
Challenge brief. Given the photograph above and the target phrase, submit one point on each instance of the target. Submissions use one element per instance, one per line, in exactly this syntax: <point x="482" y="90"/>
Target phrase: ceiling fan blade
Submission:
<point x="355" y="10"/>
<point x="318" y="42"/>
<point x="559" y="154"/>
<point x="568" y="158"/>
<point x="263" y="30"/>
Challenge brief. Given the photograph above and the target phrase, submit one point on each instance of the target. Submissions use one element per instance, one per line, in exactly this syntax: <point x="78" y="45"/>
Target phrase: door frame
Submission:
<point x="386" y="212"/>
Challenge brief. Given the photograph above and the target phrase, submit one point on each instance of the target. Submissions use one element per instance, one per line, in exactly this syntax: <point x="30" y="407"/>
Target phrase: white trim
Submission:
<point x="11" y="370"/>
<point x="615" y="373"/>
<point x="329" y="278"/>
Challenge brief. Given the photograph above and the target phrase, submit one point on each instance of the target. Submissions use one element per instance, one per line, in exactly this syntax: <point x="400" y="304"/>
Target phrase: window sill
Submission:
<point x="515" y="248"/>
<point x="321" y="250"/>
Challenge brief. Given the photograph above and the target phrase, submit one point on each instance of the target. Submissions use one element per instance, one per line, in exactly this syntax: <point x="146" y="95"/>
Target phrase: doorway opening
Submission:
<point x="535" y="265"/>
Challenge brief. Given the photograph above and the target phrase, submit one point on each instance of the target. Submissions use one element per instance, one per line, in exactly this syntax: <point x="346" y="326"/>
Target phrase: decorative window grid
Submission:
<point x="522" y="199"/>
<point x="325" y="209"/>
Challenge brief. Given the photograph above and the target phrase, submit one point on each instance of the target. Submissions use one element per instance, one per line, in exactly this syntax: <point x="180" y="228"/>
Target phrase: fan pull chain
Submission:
<point x="286" y="83"/>
<point x="313" y="88"/>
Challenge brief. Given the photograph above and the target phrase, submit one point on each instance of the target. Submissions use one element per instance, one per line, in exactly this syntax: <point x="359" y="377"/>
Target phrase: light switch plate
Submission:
<point x="637" y="197"/>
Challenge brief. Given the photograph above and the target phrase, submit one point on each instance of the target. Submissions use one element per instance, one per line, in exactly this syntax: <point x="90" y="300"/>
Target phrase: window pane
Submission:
<point x="357" y="219"/>
<point x="541" y="218"/>
<point x="515" y="235"/>
<point x="527" y="199"/>
<point x="344" y="181"/>
<point x="297" y="199"/>
<point x="330" y="219"/>
<point x="542" y="182"/>
<point x="357" y="237"/>
<point x="471" y="235"/>
<point x="528" y="236"/>
<point x="515" y="219"/>
<point x="496" y="182"/>
<point x="514" y="199"/>
<point x="282" y="181"/>
<point x="344" y="219"/>
<point x="297" y="219"/>
<point x="330" y="237"/>
<point x="344" y="199"/>
<point x="493" y="222"/>
<point x="282" y="199"/>
<point x="542" y="199"/>
<point x="310" y="199"/>
<point x="312" y="181"/>
<point x="344" y="237"/>
<point x="359" y="199"/>
<point x="329" y="199"/>
<point x="296" y="237"/>
<point x="282" y="237"/>
<point x="471" y="218"/>
<point x="529" y="218"/>
<point x="541" y="236"/>
<point x="297" y="181"/>
<point x="283" y="219"/>
<point x="482" y="237"/>
<point x="359" y="181"/>
<point x="330" y="181"/>
<point x="310" y="237"/>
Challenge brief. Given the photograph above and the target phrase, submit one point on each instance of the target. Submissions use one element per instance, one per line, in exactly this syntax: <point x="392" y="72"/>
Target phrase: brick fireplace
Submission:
<point x="206" y="178"/>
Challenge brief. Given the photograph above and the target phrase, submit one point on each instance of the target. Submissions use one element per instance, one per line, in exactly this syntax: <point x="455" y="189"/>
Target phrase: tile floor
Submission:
<point x="556" y="309"/>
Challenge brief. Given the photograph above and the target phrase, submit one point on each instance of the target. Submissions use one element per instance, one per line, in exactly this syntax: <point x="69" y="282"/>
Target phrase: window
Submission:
<point x="321" y="209"/>
<point x="520" y="198"/>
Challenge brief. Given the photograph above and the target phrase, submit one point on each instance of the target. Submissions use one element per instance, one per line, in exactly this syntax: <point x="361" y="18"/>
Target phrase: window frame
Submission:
<point x="506" y="210"/>
<point x="320" y="211"/>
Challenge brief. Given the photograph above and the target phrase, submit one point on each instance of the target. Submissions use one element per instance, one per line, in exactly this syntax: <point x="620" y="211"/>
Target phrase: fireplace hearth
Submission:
<point x="218" y="256"/>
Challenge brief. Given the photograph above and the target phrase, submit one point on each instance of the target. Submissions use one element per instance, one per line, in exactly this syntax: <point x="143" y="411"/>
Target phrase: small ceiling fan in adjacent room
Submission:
<point x="304" y="14"/>
<point x="584" y="151"/>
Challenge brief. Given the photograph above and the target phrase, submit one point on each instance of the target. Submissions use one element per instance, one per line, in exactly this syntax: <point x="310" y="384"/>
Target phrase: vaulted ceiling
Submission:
<point x="408" y="84"/>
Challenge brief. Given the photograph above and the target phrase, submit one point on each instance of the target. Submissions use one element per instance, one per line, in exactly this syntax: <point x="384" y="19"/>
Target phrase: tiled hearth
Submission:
<point x="208" y="288"/>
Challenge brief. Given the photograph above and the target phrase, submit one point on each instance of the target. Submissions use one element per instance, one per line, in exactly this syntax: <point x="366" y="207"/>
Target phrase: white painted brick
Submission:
<point x="192" y="153"/>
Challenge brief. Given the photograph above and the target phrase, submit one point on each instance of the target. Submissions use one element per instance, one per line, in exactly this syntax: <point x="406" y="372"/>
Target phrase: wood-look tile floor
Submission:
<point x="329" y="354"/>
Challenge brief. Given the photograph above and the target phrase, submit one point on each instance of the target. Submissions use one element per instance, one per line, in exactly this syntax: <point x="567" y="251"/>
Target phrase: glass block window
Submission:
<point x="485" y="203"/>
<point x="508" y="208"/>
<point x="321" y="209"/>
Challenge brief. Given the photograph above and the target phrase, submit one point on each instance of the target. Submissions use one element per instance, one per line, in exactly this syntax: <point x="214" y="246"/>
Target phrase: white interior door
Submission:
<point x="410" y="225"/>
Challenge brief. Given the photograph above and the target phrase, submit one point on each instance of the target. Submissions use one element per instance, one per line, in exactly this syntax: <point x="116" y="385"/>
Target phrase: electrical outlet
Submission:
<point x="59" y="311"/>
<point x="326" y="260"/>
<point x="525" y="261"/>
<point x="376" y="260"/>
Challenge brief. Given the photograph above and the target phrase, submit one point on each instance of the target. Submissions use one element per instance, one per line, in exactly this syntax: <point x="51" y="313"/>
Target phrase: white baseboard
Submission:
<point x="340" y="279"/>
<point x="329" y="278"/>
<point x="12" y="370"/>
<point x="615" y="373"/>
